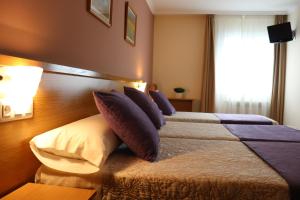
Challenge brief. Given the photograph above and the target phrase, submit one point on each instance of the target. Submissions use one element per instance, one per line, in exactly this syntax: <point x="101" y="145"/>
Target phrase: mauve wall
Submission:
<point x="64" y="32"/>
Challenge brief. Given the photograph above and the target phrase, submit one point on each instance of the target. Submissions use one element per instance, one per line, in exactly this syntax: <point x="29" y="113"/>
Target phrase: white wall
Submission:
<point x="178" y="54"/>
<point x="292" y="97"/>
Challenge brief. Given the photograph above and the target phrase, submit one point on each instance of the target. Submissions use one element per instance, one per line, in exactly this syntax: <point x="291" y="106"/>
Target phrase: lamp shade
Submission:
<point x="19" y="81"/>
<point x="141" y="86"/>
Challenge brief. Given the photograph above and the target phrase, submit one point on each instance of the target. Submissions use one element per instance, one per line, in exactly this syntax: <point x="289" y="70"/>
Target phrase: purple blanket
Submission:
<point x="243" y="119"/>
<point x="284" y="157"/>
<point x="264" y="133"/>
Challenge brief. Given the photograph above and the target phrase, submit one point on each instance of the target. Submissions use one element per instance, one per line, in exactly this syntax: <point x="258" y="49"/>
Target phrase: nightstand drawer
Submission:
<point x="32" y="191"/>
<point x="182" y="104"/>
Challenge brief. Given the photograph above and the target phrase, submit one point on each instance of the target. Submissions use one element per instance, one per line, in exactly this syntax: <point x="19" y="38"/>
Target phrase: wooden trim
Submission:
<point x="95" y="15"/>
<point x="60" y="69"/>
<point x="6" y="60"/>
<point x="127" y="6"/>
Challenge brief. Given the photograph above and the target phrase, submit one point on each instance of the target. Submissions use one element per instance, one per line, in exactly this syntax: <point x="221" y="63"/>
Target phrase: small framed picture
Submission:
<point x="102" y="9"/>
<point x="130" y="25"/>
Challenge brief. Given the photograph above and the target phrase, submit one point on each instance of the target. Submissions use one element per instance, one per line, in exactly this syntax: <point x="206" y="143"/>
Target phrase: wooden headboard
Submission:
<point x="64" y="96"/>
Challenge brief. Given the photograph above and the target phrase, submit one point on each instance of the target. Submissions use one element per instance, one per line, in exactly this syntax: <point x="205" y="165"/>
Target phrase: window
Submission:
<point x="244" y="61"/>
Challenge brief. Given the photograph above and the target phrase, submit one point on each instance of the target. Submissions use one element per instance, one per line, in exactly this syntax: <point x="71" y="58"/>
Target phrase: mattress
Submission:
<point x="196" y="131"/>
<point x="199" y="117"/>
<point x="186" y="169"/>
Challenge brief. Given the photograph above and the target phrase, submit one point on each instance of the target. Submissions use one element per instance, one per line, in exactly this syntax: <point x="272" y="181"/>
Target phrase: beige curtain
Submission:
<point x="278" y="93"/>
<point x="207" y="100"/>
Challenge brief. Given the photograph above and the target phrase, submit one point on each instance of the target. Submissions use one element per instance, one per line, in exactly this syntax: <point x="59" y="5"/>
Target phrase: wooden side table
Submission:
<point x="182" y="104"/>
<point x="31" y="191"/>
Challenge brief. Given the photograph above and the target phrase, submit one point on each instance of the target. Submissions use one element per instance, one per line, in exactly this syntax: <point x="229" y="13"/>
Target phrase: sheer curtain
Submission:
<point x="244" y="61"/>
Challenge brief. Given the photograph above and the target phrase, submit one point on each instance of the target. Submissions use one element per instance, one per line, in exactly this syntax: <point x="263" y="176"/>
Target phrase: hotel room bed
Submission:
<point x="171" y="114"/>
<point x="195" y="161"/>
<point x="186" y="169"/>
<point x="216" y="118"/>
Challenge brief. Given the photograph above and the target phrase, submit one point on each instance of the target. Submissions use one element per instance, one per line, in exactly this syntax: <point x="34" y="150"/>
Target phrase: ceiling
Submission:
<point x="222" y="6"/>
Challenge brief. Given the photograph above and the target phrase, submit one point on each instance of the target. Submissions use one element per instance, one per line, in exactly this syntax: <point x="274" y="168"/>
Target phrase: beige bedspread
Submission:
<point x="186" y="169"/>
<point x="196" y="131"/>
<point x="197" y="117"/>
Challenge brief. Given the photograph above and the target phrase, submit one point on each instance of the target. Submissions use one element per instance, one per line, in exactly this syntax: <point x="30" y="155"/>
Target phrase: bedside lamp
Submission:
<point x="140" y="85"/>
<point x="18" y="86"/>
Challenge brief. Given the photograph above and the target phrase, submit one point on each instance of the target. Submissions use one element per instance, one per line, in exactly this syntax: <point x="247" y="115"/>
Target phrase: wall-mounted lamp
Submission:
<point x="140" y="85"/>
<point x="18" y="86"/>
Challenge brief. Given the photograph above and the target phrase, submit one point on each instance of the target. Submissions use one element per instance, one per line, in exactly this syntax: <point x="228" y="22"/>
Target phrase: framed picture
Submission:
<point x="130" y="25"/>
<point x="102" y="9"/>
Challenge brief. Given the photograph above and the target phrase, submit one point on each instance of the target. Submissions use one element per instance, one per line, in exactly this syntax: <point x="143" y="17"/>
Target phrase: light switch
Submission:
<point x="6" y="111"/>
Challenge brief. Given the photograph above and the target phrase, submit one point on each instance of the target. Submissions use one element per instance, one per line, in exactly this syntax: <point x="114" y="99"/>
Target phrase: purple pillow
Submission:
<point x="163" y="103"/>
<point x="147" y="105"/>
<point x="130" y="123"/>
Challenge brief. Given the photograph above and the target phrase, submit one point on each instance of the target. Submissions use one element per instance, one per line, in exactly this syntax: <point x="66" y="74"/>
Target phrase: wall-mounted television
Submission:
<point x="280" y="33"/>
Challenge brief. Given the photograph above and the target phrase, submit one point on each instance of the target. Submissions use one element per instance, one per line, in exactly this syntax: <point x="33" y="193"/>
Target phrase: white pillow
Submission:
<point x="80" y="147"/>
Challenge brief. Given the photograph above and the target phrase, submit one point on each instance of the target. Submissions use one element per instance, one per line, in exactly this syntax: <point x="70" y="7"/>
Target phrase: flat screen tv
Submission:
<point x="280" y="33"/>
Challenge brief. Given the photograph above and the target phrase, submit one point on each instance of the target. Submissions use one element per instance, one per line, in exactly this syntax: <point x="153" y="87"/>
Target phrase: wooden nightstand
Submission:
<point x="32" y="191"/>
<point x="182" y="104"/>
